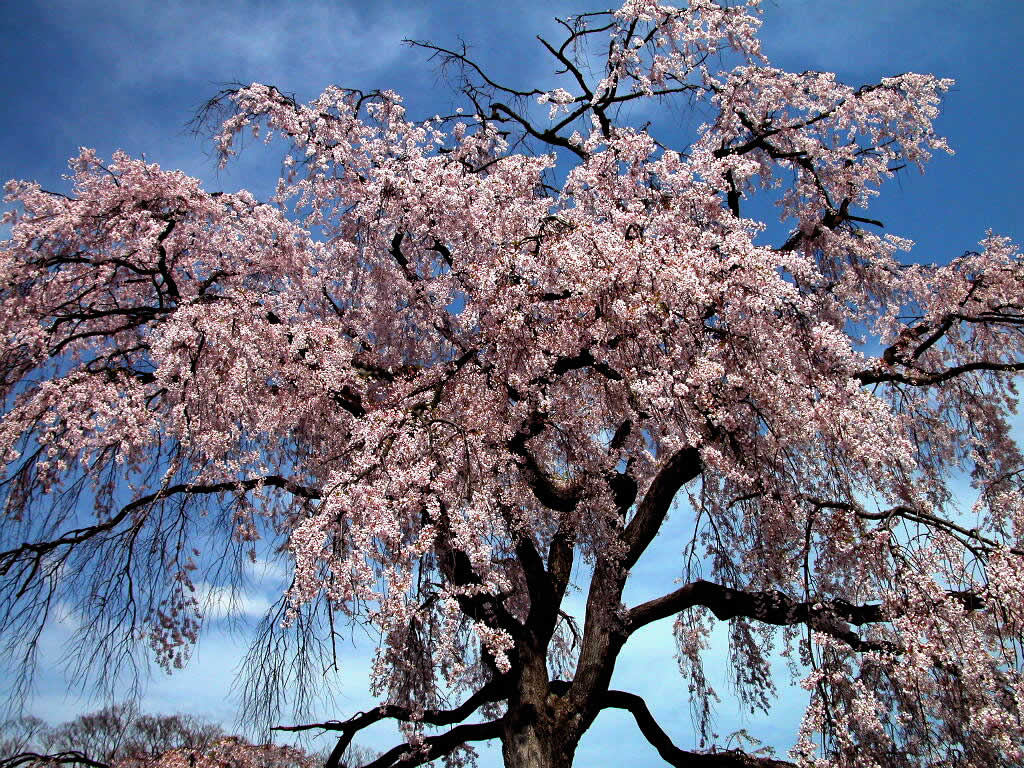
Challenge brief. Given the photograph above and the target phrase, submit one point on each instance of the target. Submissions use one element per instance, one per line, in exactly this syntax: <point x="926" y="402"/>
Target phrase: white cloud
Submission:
<point x="271" y="572"/>
<point x="223" y="602"/>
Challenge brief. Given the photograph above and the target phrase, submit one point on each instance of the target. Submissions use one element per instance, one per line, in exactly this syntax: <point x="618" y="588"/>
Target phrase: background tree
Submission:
<point x="464" y="368"/>
<point x="120" y="736"/>
<point x="104" y="735"/>
<point x="21" y="734"/>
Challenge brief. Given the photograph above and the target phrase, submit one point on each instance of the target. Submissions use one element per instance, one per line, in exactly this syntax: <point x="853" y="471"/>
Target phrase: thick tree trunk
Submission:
<point x="538" y="731"/>
<point x="536" y="746"/>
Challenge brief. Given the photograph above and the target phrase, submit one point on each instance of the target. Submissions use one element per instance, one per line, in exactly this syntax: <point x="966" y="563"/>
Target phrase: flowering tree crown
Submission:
<point x="439" y="368"/>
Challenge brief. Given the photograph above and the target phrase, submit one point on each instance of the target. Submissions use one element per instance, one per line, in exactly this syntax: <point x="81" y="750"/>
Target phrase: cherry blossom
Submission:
<point x="453" y="359"/>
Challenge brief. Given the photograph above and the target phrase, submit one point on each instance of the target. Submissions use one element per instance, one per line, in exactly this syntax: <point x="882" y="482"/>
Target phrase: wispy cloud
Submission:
<point x="223" y="602"/>
<point x="191" y="40"/>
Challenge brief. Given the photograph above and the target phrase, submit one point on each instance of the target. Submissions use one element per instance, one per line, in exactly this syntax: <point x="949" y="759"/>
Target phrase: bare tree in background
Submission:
<point x="119" y="736"/>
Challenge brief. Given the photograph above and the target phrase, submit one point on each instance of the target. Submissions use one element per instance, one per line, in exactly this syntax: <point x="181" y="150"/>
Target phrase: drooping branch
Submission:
<point x="39" y="549"/>
<point x="495" y="690"/>
<point x="970" y="538"/>
<point x="433" y="747"/>
<point x="672" y="754"/>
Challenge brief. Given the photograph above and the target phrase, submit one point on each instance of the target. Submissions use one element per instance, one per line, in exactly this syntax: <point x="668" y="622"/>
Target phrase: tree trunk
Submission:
<point x="535" y="746"/>
<point x="540" y="733"/>
<point x="538" y="730"/>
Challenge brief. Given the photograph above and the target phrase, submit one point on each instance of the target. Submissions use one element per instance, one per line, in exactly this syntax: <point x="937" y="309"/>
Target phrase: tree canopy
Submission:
<point x="454" y="359"/>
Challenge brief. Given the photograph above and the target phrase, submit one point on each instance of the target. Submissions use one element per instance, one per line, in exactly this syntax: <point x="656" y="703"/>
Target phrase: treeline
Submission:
<point x="122" y="737"/>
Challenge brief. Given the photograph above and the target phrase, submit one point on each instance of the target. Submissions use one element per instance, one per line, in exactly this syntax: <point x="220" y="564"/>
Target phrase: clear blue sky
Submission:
<point x="129" y="75"/>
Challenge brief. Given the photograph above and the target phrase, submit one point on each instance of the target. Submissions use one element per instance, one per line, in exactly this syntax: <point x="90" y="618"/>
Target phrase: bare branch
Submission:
<point x="433" y="747"/>
<point x="680" y="468"/>
<point x="672" y="754"/>
<point x="33" y="759"/>
<point x="78" y="535"/>
<point x="449" y="56"/>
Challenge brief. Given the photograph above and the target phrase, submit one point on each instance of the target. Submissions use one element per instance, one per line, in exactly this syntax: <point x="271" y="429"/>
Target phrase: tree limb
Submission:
<point x="547" y="489"/>
<point x="922" y="379"/>
<point x="433" y="747"/>
<point x="78" y="535"/>
<point x="672" y="754"/>
<point x="680" y="468"/>
<point x="492" y="691"/>
<point x="774" y="607"/>
<point x="71" y="757"/>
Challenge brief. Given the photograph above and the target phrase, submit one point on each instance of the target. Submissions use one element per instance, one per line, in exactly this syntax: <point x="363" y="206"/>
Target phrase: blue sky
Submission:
<point x="129" y="75"/>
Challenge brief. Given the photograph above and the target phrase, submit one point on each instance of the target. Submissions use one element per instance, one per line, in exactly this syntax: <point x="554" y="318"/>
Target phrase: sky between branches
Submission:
<point x="129" y="75"/>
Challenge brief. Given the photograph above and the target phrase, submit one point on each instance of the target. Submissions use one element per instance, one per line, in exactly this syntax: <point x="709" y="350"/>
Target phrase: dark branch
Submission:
<point x="78" y="535"/>
<point x="726" y="603"/>
<point x="449" y="56"/>
<point x="433" y="747"/>
<point x="776" y="608"/>
<point x="922" y="379"/>
<point x="493" y="691"/>
<point x="970" y="538"/>
<point x="680" y="468"/>
<point x="547" y="489"/>
<point x="672" y="754"/>
<point x="70" y="757"/>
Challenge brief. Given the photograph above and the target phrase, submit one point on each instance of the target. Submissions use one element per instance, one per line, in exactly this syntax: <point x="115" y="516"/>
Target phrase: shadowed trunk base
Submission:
<point x="534" y="746"/>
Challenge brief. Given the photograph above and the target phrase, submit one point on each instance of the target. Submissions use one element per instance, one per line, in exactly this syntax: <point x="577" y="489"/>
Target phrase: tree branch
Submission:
<point x="672" y="754"/>
<point x="71" y="757"/>
<point x="433" y="747"/>
<point x="774" y="607"/>
<point x="78" y="535"/>
<point x="680" y="468"/>
<point x="972" y="539"/>
<point x="493" y="691"/>
<point x="922" y="379"/>
<point x="548" y="491"/>
<point x="726" y="603"/>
